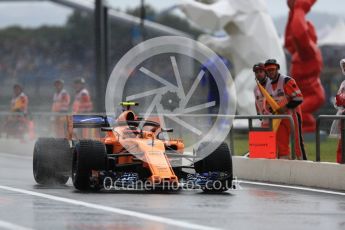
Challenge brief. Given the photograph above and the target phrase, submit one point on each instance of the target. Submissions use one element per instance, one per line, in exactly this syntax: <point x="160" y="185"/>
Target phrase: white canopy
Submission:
<point x="336" y="35"/>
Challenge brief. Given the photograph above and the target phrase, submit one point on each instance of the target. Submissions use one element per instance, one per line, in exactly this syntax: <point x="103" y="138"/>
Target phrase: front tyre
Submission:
<point x="220" y="160"/>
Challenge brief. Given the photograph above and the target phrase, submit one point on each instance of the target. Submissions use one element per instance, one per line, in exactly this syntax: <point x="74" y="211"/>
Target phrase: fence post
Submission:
<point x="317" y="139"/>
<point x="232" y="148"/>
<point x="342" y="134"/>
<point x="292" y="138"/>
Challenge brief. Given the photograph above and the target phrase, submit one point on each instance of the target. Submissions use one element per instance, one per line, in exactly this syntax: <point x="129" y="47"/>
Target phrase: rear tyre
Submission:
<point x="51" y="161"/>
<point x="219" y="160"/>
<point x="88" y="155"/>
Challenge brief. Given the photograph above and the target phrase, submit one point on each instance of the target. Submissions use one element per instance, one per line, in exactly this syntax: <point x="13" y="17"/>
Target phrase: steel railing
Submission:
<point x="237" y="117"/>
<point x="342" y="133"/>
<point x="250" y="119"/>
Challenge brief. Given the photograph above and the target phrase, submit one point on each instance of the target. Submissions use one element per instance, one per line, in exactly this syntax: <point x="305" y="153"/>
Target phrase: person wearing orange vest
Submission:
<point x="82" y="100"/>
<point x="61" y="103"/>
<point x="20" y="101"/>
<point x="260" y="101"/>
<point x="82" y="104"/>
<point x="340" y="106"/>
<point x="19" y="124"/>
<point x="287" y="94"/>
<point x="61" y="98"/>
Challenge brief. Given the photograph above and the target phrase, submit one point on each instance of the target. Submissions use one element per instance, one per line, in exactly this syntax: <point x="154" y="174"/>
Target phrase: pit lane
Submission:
<point x="254" y="206"/>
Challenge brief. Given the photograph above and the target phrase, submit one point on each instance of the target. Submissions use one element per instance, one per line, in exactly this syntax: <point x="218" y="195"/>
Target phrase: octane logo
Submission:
<point x="175" y="80"/>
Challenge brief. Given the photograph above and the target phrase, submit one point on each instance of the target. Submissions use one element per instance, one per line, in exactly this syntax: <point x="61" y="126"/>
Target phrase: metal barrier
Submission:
<point x="250" y="124"/>
<point x="43" y="118"/>
<point x="342" y="133"/>
<point x="270" y="117"/>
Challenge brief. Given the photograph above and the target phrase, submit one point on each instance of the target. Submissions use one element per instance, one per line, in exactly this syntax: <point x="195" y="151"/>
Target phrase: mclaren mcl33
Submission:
<point x="128" y="152"/>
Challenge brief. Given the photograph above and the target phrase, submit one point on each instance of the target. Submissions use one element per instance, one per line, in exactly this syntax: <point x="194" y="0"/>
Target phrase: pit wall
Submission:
<point x="291" y="172"/>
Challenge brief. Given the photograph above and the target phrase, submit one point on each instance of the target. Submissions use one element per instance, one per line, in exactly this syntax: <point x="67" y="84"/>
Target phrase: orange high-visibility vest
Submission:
<point x="282" y="97"/>
<point x="261" y="105"/>
<point x="278" y="94"/>
<point x="82" y="102"/>
<point x="260" y="101"/>
<point x="61" y="101"/>
<point x="20" y="103"/>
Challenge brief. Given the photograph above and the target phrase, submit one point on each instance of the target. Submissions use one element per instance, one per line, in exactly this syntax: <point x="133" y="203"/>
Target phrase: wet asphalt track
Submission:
<point x="252" y="207"/>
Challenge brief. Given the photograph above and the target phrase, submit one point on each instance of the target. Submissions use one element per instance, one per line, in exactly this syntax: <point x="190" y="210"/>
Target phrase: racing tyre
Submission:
<point x="51" y="161"/>
<point x="88" y="155"/>
<point x="220" y="160"/>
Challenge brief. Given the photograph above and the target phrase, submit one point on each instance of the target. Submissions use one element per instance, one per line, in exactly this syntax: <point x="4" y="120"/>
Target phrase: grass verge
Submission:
<point x="328" y="148"/>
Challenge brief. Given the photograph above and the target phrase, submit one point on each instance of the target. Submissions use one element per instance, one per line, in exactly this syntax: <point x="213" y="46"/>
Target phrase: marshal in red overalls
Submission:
<point x="288" y="95"/>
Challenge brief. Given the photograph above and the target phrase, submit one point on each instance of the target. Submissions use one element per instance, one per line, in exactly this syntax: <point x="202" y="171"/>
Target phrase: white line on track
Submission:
<point x="10" y="226"/>
<point x="139" y="215"/>
<point x="293" y="187"/>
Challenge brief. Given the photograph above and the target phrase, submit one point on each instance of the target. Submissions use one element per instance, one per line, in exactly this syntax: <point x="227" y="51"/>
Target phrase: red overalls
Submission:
<point x="285" y="90"/>
<point x="340" y="103"/>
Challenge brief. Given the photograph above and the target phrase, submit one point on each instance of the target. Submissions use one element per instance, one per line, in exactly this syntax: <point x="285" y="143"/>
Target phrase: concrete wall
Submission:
<point x="304" y="173"/>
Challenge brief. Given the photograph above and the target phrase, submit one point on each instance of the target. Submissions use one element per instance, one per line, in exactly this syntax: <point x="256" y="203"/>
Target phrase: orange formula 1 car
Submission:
<point x="132" y="153"/>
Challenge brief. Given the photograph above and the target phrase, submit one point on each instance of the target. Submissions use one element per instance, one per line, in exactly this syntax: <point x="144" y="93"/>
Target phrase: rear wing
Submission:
<point x="86" y="121"/>
<point x="89" y="121"/>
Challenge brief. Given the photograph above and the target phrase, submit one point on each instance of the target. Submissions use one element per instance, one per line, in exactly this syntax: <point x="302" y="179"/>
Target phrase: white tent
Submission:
<point x="336" y="35"/>
<point x="323" y="32"/>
